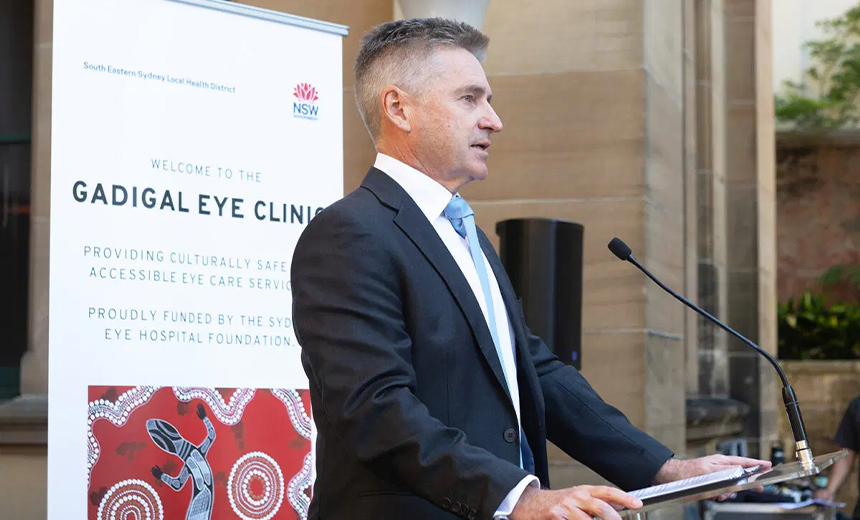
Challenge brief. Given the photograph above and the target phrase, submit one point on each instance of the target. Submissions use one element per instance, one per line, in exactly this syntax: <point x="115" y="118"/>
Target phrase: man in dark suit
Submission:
<point x="431" y="397"/>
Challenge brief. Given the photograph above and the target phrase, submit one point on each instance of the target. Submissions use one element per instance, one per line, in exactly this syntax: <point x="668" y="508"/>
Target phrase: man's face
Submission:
<point x="453" y="119"/>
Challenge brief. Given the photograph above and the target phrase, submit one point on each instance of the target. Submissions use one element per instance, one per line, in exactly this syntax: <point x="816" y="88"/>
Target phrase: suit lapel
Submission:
<point x="415" y="225"/>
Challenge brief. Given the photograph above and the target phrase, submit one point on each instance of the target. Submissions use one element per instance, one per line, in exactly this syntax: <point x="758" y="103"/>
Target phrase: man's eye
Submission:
<point x="469" y="98"/>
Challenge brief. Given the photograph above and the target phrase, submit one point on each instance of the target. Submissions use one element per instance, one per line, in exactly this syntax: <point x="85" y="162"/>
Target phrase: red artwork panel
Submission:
<point x="198" y="453"/>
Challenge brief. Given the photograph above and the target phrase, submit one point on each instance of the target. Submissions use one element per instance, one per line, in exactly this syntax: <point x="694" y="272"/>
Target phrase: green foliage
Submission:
<point x="828" y="99"/>
<point x="840" y="273"/>
<point x="809" y="329"/>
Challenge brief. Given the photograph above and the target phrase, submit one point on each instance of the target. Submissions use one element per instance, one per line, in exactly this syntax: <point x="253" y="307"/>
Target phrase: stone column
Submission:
<point x="750" y="214"/>
<point x="691" y="233"/>
<point x="664" y="229"/>
<point x="34" y="364"/>
<point x="713" y="374"/>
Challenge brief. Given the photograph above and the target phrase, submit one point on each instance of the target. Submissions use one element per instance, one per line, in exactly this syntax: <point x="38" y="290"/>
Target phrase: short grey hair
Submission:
<point x="395" y="53"/>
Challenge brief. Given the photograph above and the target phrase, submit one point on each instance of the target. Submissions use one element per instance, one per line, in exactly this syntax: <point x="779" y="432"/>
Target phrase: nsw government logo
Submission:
<point x="306" y="107"/>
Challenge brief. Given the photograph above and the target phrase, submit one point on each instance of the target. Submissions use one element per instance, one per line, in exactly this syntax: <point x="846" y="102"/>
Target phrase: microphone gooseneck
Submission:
<point x="792" y="407"/>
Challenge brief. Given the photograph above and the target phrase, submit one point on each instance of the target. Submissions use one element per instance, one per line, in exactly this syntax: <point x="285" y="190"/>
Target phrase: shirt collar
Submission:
<point x="430" y="196"/>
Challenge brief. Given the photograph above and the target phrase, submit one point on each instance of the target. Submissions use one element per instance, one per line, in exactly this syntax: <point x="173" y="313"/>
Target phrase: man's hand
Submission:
<point x="156" y="472"/>
<point x="838" y="473"/>
<point x="201" y="412"/>
<point x="824" y="494"/>
<point x="675" y="469"/>
<point x="576" y="503"/>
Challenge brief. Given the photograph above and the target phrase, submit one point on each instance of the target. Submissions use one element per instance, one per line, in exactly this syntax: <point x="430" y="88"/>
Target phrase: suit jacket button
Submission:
<point x="446" y="503"/>
<point x="457" y="506"/>
<point x="472" y="514"/>
<point x="510" y="435"/>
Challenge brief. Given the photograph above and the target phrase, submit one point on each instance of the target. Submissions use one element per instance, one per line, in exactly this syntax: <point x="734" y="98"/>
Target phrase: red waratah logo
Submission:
<point x="306" y="107"/>
<point x="306" y="92"/>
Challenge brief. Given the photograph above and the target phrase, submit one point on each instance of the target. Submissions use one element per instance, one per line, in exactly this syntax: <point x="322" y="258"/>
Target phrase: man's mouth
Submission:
<point x="483" y="145"/>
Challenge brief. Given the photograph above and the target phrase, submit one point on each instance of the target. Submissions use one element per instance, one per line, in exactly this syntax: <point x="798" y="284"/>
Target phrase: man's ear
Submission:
<point x="397" y="107"/>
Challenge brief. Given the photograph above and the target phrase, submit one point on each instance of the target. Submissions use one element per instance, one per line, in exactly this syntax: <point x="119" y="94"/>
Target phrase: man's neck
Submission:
<point x="407" y="157"/>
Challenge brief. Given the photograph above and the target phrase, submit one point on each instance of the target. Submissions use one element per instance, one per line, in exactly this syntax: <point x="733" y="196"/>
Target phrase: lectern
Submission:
<point x="775" y="475"/>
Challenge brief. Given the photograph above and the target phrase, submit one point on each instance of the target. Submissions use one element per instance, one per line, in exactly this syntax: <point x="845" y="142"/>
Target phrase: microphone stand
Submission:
<point x="805" y="464"/>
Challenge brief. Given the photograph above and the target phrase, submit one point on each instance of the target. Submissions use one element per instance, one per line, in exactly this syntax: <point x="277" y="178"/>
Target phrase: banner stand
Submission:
<point x="192" y="143"/>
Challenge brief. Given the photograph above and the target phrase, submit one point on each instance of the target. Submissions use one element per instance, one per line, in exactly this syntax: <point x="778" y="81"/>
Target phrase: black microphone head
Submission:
<point x="620" y="249"/>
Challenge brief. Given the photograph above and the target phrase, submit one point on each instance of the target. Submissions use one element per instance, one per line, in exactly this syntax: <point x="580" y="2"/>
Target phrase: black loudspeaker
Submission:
<point x="543" y="258"/>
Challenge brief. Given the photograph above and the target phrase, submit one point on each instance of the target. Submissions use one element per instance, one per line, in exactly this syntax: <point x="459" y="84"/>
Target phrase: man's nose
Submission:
<point x="491" y="121"/>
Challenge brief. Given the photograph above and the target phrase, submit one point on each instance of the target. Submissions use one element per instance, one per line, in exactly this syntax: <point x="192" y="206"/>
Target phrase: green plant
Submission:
<point x="809" y="329"/>
<point x="828" y="98"/>
<point x="840" y="273"/>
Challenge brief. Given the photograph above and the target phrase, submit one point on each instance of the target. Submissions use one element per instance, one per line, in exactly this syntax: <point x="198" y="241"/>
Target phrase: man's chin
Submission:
<point x="480" y="172"/>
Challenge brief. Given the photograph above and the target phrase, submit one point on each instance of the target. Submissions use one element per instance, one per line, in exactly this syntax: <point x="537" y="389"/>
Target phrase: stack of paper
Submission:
<point x="731" y="473"/>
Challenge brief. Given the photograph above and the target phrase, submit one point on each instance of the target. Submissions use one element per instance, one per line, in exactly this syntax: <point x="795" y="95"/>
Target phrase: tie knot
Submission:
<point x="458" y="208"/>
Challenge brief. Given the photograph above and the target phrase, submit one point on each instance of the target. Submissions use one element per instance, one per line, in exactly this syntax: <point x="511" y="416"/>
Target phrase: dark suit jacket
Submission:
<point x="413" y="414"/>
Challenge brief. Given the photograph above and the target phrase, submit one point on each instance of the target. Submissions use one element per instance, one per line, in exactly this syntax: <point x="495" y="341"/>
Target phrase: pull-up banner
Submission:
<point x="192" y="143"/>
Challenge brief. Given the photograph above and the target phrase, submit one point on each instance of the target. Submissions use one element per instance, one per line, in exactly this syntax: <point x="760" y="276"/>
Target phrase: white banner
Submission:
<point x="192" y="142"/>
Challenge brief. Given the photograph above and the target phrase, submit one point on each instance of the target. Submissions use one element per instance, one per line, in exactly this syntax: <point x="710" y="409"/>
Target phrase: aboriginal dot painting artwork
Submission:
<point x="156" y="453"/>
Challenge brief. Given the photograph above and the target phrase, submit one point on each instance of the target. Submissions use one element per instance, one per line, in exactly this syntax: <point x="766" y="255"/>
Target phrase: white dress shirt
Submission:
<point x="432" y="198"/>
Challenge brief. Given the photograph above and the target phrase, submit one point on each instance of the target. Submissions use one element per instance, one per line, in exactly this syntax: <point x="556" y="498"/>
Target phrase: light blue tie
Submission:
<point x="462" y="218"/>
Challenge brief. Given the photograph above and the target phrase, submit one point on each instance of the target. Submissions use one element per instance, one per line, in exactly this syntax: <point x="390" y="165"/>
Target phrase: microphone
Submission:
<point x="801" y="443"/>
